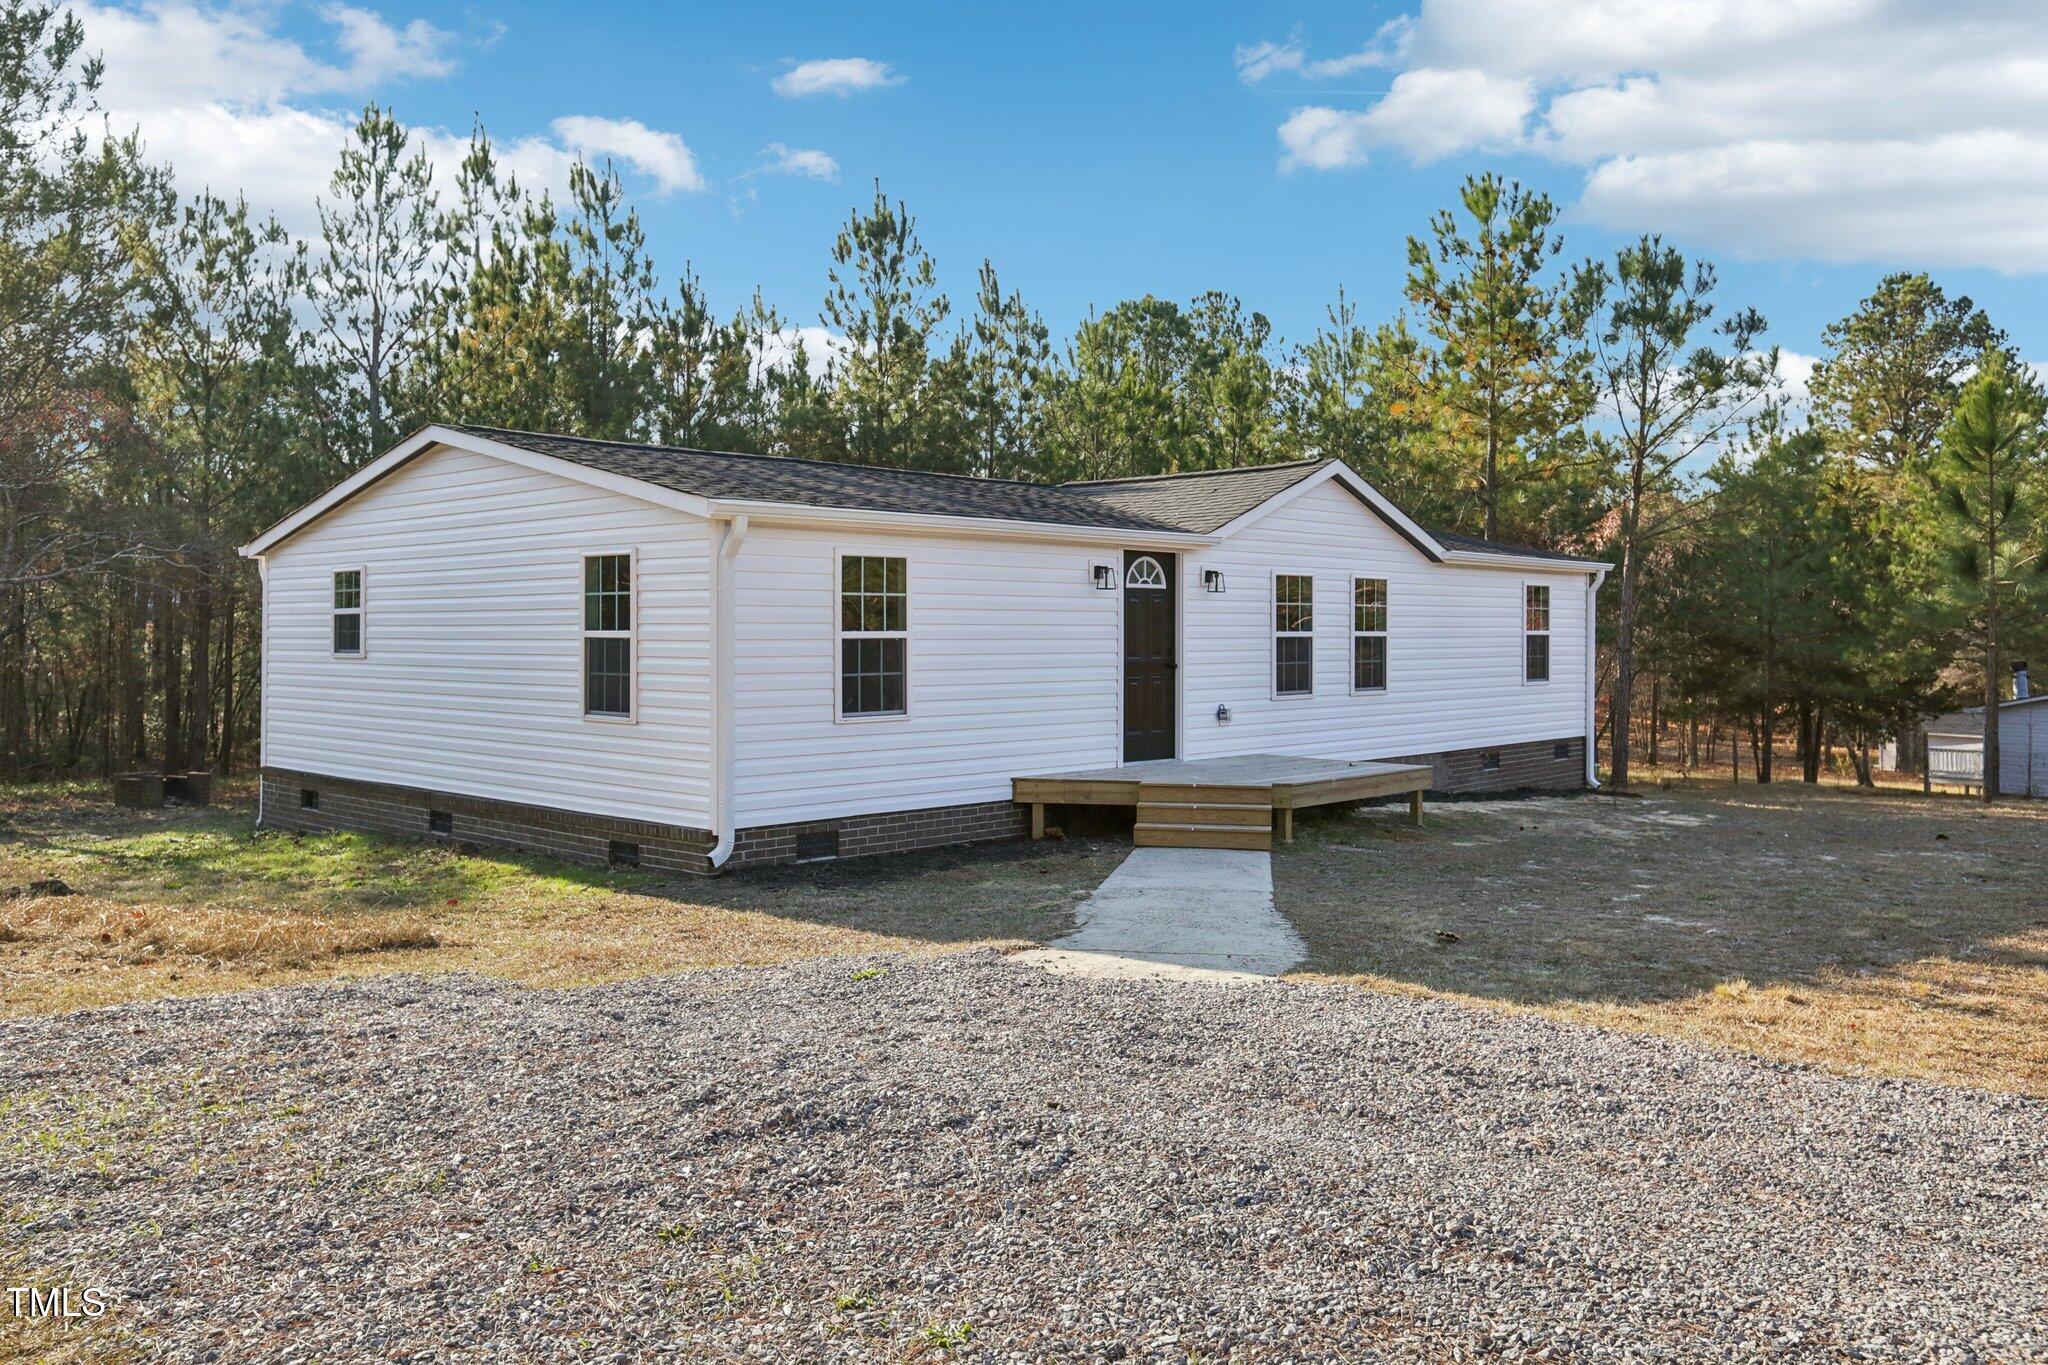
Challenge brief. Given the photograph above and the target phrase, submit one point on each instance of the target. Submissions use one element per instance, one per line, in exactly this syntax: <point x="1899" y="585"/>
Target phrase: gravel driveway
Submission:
<point x="864" y="1159"/>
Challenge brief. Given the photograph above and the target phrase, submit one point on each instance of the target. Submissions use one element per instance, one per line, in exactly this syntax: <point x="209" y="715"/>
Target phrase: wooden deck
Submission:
<point x="1219" y="802"/>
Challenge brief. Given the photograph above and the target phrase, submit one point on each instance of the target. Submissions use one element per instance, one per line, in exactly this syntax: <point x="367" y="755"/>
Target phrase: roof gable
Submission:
<point x="1203" y="504"/>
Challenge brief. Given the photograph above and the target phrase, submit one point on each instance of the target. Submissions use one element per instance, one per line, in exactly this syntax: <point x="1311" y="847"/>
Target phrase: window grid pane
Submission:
<point x="1369" y="663"/>
<point x="1537" y="608"/>
<point x="348" y="632"/>
<point x="608" y="593"/>
<point x="348" y="589"/>
<point x="608" y="675"/>
<point x="871" y="676"/>
<point x="1293" y="665"/>
<point x="1369" y="604"/>
<point x="1536" y="666"/>
<point x="1293" y="603"/>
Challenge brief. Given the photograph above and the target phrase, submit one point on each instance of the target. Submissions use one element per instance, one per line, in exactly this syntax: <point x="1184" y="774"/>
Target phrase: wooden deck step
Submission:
<point x="1178" y="813"/>
<point x="1202" y="836"/>
<point x="1203" y="794"/>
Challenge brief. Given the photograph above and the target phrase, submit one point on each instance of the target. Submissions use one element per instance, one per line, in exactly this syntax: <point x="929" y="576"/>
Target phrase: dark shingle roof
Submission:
<point x="813" y="483"/>
<point x="1451" y="540"/>
<point x="1198" y="502"/>
<point x="1969" y="723"/>
<point x="1201" y="501"/>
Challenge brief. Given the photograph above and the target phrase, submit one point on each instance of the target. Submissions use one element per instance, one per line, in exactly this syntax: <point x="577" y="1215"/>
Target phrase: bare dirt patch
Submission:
<point x="1895" y="934"/>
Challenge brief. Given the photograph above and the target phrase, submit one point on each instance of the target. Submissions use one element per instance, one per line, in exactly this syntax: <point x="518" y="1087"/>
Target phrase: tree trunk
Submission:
<point x="1656" y="717"/>
<point x="1992" y="722"/>
<point x="224" y="756"/>
<point x="1809" y="743"/>
<point x="199" y="721"/>
<point x="1622" y="700"/>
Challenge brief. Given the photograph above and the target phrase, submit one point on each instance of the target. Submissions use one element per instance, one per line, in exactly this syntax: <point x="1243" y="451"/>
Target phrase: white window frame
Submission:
<point x="1384" y="633"/>
<point x="631" y="634"/>
<point x="840" y="554"/>
<point x="361" y="611"/>
<point x="1273" y="628"/>
<point x="1549" y="653"/>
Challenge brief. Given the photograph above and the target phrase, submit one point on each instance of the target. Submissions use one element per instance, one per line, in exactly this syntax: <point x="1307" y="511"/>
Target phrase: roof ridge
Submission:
<point x="759" y="455"/>
<point x="1197" y="473"/>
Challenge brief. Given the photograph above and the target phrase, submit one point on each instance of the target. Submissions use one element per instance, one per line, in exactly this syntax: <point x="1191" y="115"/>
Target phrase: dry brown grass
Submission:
<point x="197" y="902"/>
<point x="213" y="935"/>
<point x="1890" y="934"/>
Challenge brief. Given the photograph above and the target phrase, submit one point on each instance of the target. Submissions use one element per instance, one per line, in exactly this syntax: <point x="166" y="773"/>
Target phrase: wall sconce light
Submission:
<point x="1104" y="576"/>
<point x="1223" y="715"/>
<point x="1212" y="580"/>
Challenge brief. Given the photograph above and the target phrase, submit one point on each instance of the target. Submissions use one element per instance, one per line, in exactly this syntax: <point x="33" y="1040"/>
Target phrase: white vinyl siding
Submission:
<point x="1015" y="662"/>
<point x="1454" y="682"/>
<point x="473" y="570"/>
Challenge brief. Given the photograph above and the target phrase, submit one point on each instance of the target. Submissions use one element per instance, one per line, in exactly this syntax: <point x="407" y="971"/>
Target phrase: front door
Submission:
<point x="1148" y="656"/>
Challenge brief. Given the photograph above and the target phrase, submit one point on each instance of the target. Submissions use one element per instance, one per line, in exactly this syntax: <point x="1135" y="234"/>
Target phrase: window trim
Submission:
<point x="840" y="554"/>
<point x="1385" y="632"/>
<point x="361" y="612"/>
<point x="631" y="634"/>
<point x="1548" y="633"/>
<point x="1275" y="634"/>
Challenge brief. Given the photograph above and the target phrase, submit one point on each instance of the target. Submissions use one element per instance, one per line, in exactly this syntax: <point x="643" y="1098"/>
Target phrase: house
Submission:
<point x="693" y="660"/>
<point x="1955" y="743"/>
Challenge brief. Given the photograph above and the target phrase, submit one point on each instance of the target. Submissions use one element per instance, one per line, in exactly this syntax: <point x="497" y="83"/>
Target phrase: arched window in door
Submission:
<point x="1145" y="573"/>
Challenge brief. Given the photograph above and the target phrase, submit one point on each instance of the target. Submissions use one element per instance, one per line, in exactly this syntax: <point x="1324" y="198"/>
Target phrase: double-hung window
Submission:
<point x="1368" y="634"/>
<point x="874" y="635"/>
<point x="348" y="613"/>
<point x="608" y="636"/>
<point x="1535" y="632"/>
<point x="1294" y="644"/>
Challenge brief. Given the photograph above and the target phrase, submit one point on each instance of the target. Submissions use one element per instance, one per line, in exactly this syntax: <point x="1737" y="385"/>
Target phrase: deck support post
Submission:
<point x="1286" y="814"/>
<point x="1415" y="808"/>
<point x="1038" y="819"/>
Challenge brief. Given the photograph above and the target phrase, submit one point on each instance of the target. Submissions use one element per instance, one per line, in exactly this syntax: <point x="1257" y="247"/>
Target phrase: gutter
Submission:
<point x="1593" y="582"/>
<point x="732" y="534"/>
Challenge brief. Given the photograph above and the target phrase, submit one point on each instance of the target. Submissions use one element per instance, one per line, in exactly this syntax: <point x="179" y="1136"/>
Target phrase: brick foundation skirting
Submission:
<point x="1541" y="765"/>
<point x="408" y="813"/>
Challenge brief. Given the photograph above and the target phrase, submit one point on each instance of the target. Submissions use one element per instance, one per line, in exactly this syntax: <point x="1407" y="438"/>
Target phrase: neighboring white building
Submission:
<point x="1955" y="743"/>
<point x="693" y="659"/>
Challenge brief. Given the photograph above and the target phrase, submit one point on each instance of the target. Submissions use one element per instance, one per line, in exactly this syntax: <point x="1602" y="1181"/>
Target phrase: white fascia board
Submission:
<point x="426" y="439"/>
<point x="985" y="528"/>
<point x="1479" y="559"/>
<point x="1402" y="523"/>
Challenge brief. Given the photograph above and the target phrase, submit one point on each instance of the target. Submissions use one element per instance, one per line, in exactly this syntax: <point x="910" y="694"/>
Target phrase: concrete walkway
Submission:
<point x="1184" y="914"/>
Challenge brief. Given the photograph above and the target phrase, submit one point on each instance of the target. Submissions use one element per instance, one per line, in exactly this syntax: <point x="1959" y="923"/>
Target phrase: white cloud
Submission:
<point x="834" y="76"/>
<point x="1838" y="129"/>
<point x="378" y="52"/>
<point x="1427" y="114"/>
<point x="1795" y="371"/>
<point x="1257" y="62"/>
<point x="822" y="348"/>
<point x="235" y="105"/>
<point x="662" y="157"/>
<point x="809" y="162"/>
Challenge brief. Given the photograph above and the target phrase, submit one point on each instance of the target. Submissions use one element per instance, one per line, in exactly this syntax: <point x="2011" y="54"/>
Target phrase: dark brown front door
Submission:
<point x="1148" y="656"/>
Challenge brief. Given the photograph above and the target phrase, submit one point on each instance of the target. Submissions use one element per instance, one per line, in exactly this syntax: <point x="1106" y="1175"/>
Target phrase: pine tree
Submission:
<point x="1990" y="472"/>
<point x="1505" y="381"/>
<point x="374" y="282"/>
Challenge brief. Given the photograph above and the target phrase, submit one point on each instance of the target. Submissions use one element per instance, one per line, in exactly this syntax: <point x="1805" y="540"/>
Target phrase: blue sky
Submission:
<point x="1097" y="152"/>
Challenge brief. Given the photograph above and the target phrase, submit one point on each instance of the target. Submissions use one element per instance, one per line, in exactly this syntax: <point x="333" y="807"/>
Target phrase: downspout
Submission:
<point x="1593" y="582"/>
<point x="732" y="534"/>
